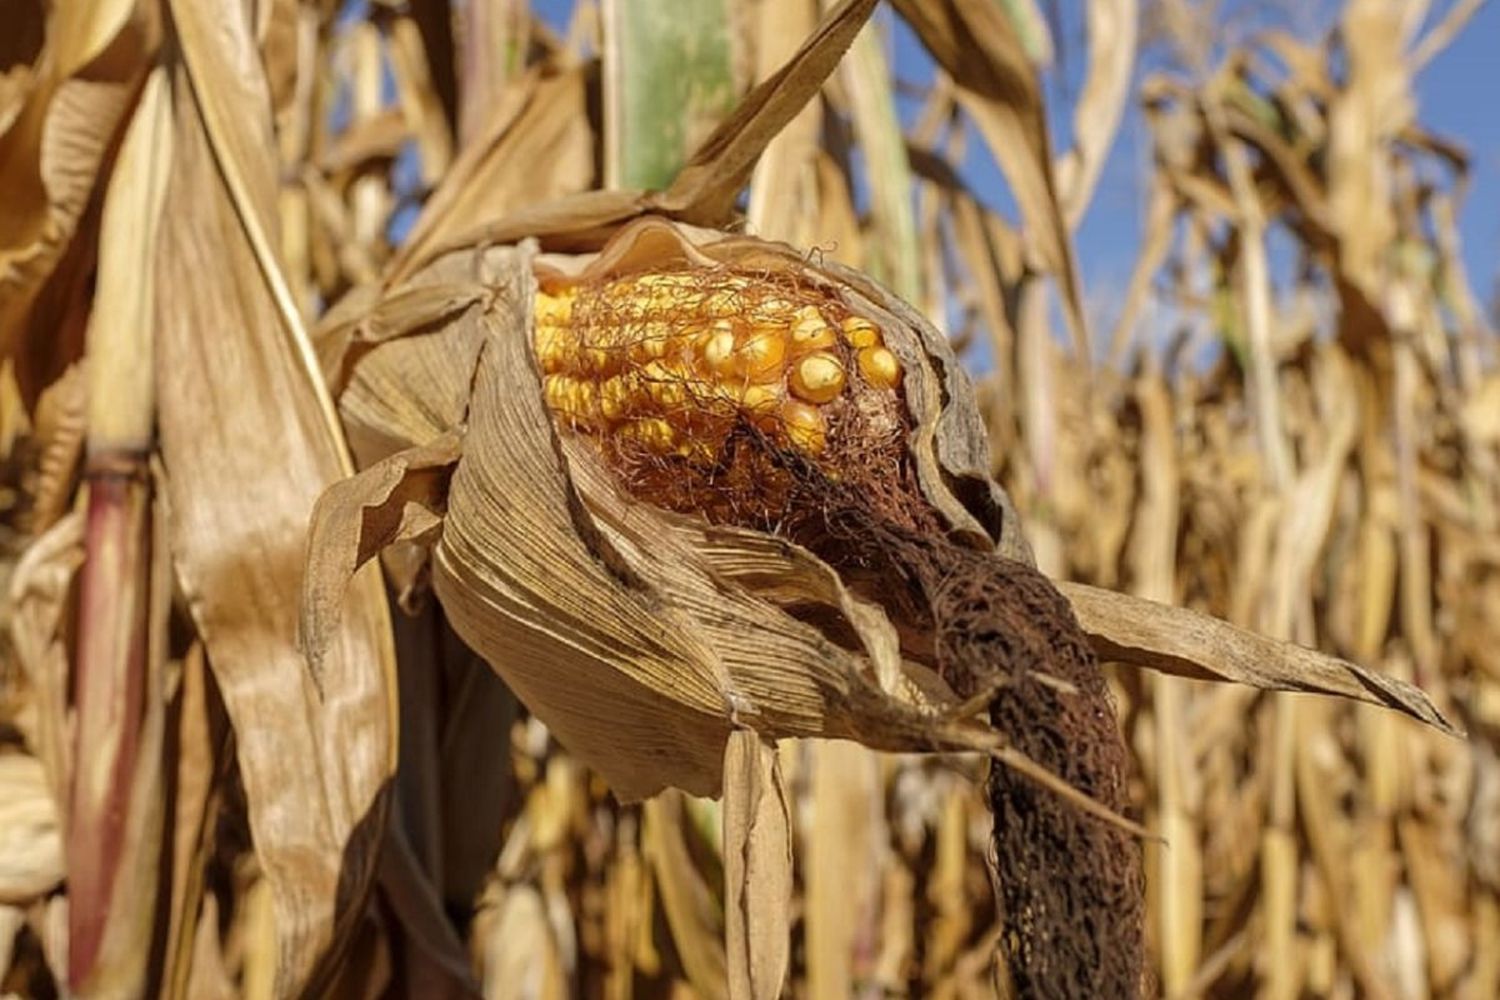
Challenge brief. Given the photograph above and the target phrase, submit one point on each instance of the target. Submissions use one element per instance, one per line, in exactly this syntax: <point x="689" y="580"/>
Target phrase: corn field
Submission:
<point x="599" y="500"/>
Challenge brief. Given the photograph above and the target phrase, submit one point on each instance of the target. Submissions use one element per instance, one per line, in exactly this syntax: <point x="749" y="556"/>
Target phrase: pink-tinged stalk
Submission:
<point x="110" y="677"/>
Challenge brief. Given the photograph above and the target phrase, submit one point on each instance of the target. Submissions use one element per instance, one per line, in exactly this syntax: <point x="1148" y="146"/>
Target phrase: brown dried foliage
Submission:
<point x="1331" y="479"/>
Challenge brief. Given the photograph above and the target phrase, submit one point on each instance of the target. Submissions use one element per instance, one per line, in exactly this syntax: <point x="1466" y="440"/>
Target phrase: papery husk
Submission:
<point x="643" y="638"/>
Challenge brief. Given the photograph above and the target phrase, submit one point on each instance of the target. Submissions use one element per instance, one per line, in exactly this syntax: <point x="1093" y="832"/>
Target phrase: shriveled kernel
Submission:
<point x="804" y="427"/>
<point x="860" y="332"/>
<point x="818" y="378"/>
<point x="879" y="367"/>
<point x="810" y="332"/>
<point x="762" y="353"/>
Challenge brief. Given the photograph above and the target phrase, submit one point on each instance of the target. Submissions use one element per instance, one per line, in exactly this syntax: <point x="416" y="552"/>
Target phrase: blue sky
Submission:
<point x="1457" y="95"/>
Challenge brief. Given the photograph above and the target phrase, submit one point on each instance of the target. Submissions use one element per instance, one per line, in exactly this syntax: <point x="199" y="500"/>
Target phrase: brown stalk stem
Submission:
<point x="109" y="693"/>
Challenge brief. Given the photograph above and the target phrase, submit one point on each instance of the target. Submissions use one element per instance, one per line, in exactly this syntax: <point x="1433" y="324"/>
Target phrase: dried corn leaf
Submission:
<point x="241" y="480"/>
<point x="872" y="105"/>
<point x="976" y="42"/>
<point x="1188" y="643"/>
<point x="50" y="155"/>
<point x="543" y="119"/>
<point x="757" y="868"/>
<point x="1374" y="105"/>
<point x="31" y="856"/>
<point x="687" y="898"/>
<point x="398" y="500"/>
<point x="38" y="599"/>
<point x="783" y="188"/>
<point x="841" y="867"/>
<point x="518" y="952"/>
<point x="1112" y="27"/>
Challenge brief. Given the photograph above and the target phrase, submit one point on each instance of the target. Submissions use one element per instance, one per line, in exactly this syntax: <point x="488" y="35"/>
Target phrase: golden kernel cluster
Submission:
<point x="671" y="361"/>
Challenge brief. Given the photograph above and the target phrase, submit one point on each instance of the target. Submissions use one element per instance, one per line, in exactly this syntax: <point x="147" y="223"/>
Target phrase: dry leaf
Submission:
<point x="757" y="868"/>
<point x="1187" y="643"/>
<point x="31" y="856"/>
<point x="241" y="481"/>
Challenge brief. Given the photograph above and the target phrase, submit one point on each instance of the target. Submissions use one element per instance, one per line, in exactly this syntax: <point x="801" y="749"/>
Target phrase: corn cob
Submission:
<point x="673" y="361"/>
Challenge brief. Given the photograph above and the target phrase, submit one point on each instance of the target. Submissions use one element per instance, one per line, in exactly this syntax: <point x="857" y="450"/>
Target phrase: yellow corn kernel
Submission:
<point x="553" y="349"/>
<point x="583" y="401"/>
<point x="666" y="384"/>
<point x="697" y="451"/>
<point x="653" y="432"/>
<point x="648" y="341"/>
<point x="861" y="333"/>
<point x="655" y="293"/>
<point x="762" y="353"/>
<point x="727" y="299"/>
<point x="600" y="359"/>
<point x="818" y="378"/>
<point x="718" y="348"/>
<point x="670" y="362"/>
<point x="879" y="367"/>
<point x="555" y="391"/>
<point x="810" y="332"/>
<point x="717" y="396"/>
<point x="555" y="308"/>
<point x="771" y="310"/>
<point x="804" y="427"/>
<point x="761" y="399"/>
<point x="615" y="397"/>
